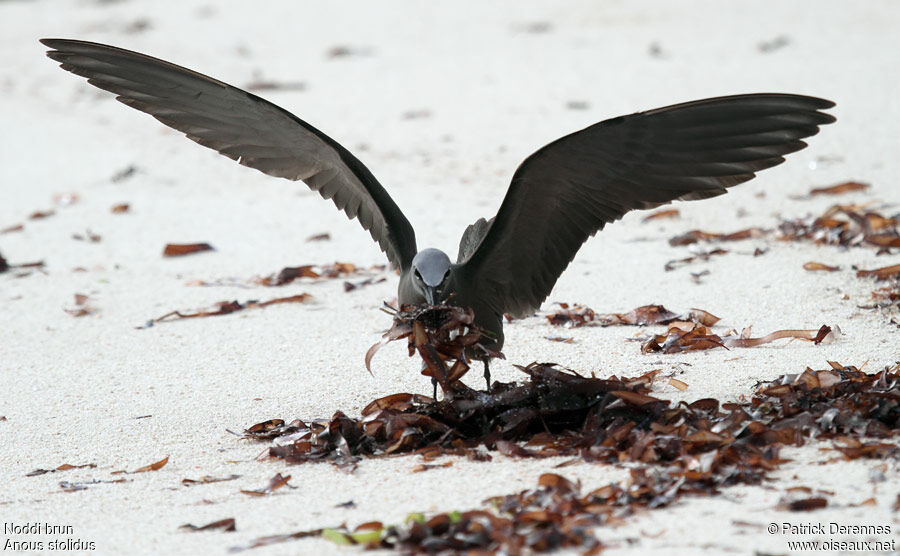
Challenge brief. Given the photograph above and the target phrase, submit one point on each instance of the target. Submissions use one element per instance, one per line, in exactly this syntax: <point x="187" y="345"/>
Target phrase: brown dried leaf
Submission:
<point x="291" y="273"/>
<point x="816" y="336"/>
<point x="299" y="298"/>
<point x="702" y="317"/>
<point x="350" y="286"/>
<point x="82" y="307"/>
<point x="181" y="249"/>
<point x="807" y="504"/>
<point x="656" y="314"/>
<point x="882" y="273"/>
<point x="694" y="236"/>
<point x="87" y="236"/>
<point x="844" y="225"/>
<point x="227" y="525"/>
<point x="429" y="466"/>
<point x="121" y="208"/>
<point x="207" y="479"/>
<point x="156" y="466"/>
<point x="635" y="398"/>
<point x="63" y="467"/>
<point x="883" y="241"/>
<point x="331" y="271"/>
<point x="337" y="270"/>
<point x="513" y="450"/>
<point x="677" y="339"/>
<point x="661" y="214"/>
<point x="396" y="402"/>
<point x="839" y="189"/>
<point x="275" y="483"/>
<point x="705" y="256"/>
<point x="814" y="266"/>
<point x="228" y="307"/>
<point x="265" y="426"/>
<point x="574" y="317"/>
<point x="561" y="339"/>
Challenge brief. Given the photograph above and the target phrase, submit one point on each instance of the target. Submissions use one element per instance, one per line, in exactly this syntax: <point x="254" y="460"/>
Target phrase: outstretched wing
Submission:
<point x="246" y="128"/>
<point x="568" y="190"/>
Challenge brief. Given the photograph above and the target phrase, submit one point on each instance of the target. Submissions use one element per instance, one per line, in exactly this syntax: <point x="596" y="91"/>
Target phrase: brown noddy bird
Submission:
<point x="559" y="196"/>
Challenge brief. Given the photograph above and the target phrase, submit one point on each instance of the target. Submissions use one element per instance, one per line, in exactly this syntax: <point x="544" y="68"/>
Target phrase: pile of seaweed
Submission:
<point x="674" y="449"/>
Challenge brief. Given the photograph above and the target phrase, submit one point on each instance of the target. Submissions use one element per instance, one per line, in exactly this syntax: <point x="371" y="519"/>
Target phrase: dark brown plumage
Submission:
<point x="559" y="196"/>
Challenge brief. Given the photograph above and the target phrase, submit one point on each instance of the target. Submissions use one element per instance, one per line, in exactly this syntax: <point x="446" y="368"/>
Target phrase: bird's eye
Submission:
<point x="419" y="276"/>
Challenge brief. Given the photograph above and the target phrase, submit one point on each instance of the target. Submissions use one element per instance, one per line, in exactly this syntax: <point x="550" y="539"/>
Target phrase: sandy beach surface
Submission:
<point x="441" y="102"/>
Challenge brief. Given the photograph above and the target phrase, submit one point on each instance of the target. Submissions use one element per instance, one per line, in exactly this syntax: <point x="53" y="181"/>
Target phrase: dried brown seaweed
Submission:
<point x="228" y="307"/>
<point x="845" y="226"/>
<point x="440" y="334"/>
<point x="5" y="266"/>
<point x="82" y="306"/>
<point x="181" y="249"/>
<point x="350" y="286"/>
<point x="839" y="189"/>
<point x="88" y="235"/>
<point x="63" y="467"/>
<point x="227" y="525"/>
<point x="274" y="484"/>
<point x="692" y="337"/>
<point x="207" y="479"/>
<point x="887" y="295"/>
<point x="578" y="315"/>
<point x="814" y="266"/>
<point x="702" y="257"/>
<point x="676" y="450"/>
<point x="695" y="236"/>
<point x="572" y="316"/>
<point x="329" y="271"/>
<point x="75" y="486"/>
<point x="155" y="466"/>
<point x="661" y="214"/>
<point x="804" y="504"/>
<point x="883" y="273"/>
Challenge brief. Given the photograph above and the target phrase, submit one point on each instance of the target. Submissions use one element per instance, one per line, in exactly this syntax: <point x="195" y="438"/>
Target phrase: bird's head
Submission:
<point x="430" y="273"/>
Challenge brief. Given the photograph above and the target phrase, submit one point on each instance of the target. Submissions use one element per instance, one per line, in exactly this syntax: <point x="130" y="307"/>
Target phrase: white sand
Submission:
<point x="73" y="387"/>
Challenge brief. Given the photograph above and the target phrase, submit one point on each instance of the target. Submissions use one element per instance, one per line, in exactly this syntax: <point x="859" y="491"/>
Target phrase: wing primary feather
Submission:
<point x="245" y="128"/>
<point x="571" y="188"/>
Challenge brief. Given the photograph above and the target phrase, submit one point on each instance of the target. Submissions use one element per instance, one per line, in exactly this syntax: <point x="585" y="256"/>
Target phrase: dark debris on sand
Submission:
<point x="675" y="449"/>
<point x="672" y="449"/>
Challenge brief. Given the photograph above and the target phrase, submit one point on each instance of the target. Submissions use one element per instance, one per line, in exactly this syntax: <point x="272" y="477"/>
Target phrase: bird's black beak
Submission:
<point x="429" y="294"/>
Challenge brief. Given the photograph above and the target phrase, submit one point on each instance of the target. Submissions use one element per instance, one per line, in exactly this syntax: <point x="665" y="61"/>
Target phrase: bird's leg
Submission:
<point x="434" y="383"/>
<point x="487" y="374"/>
